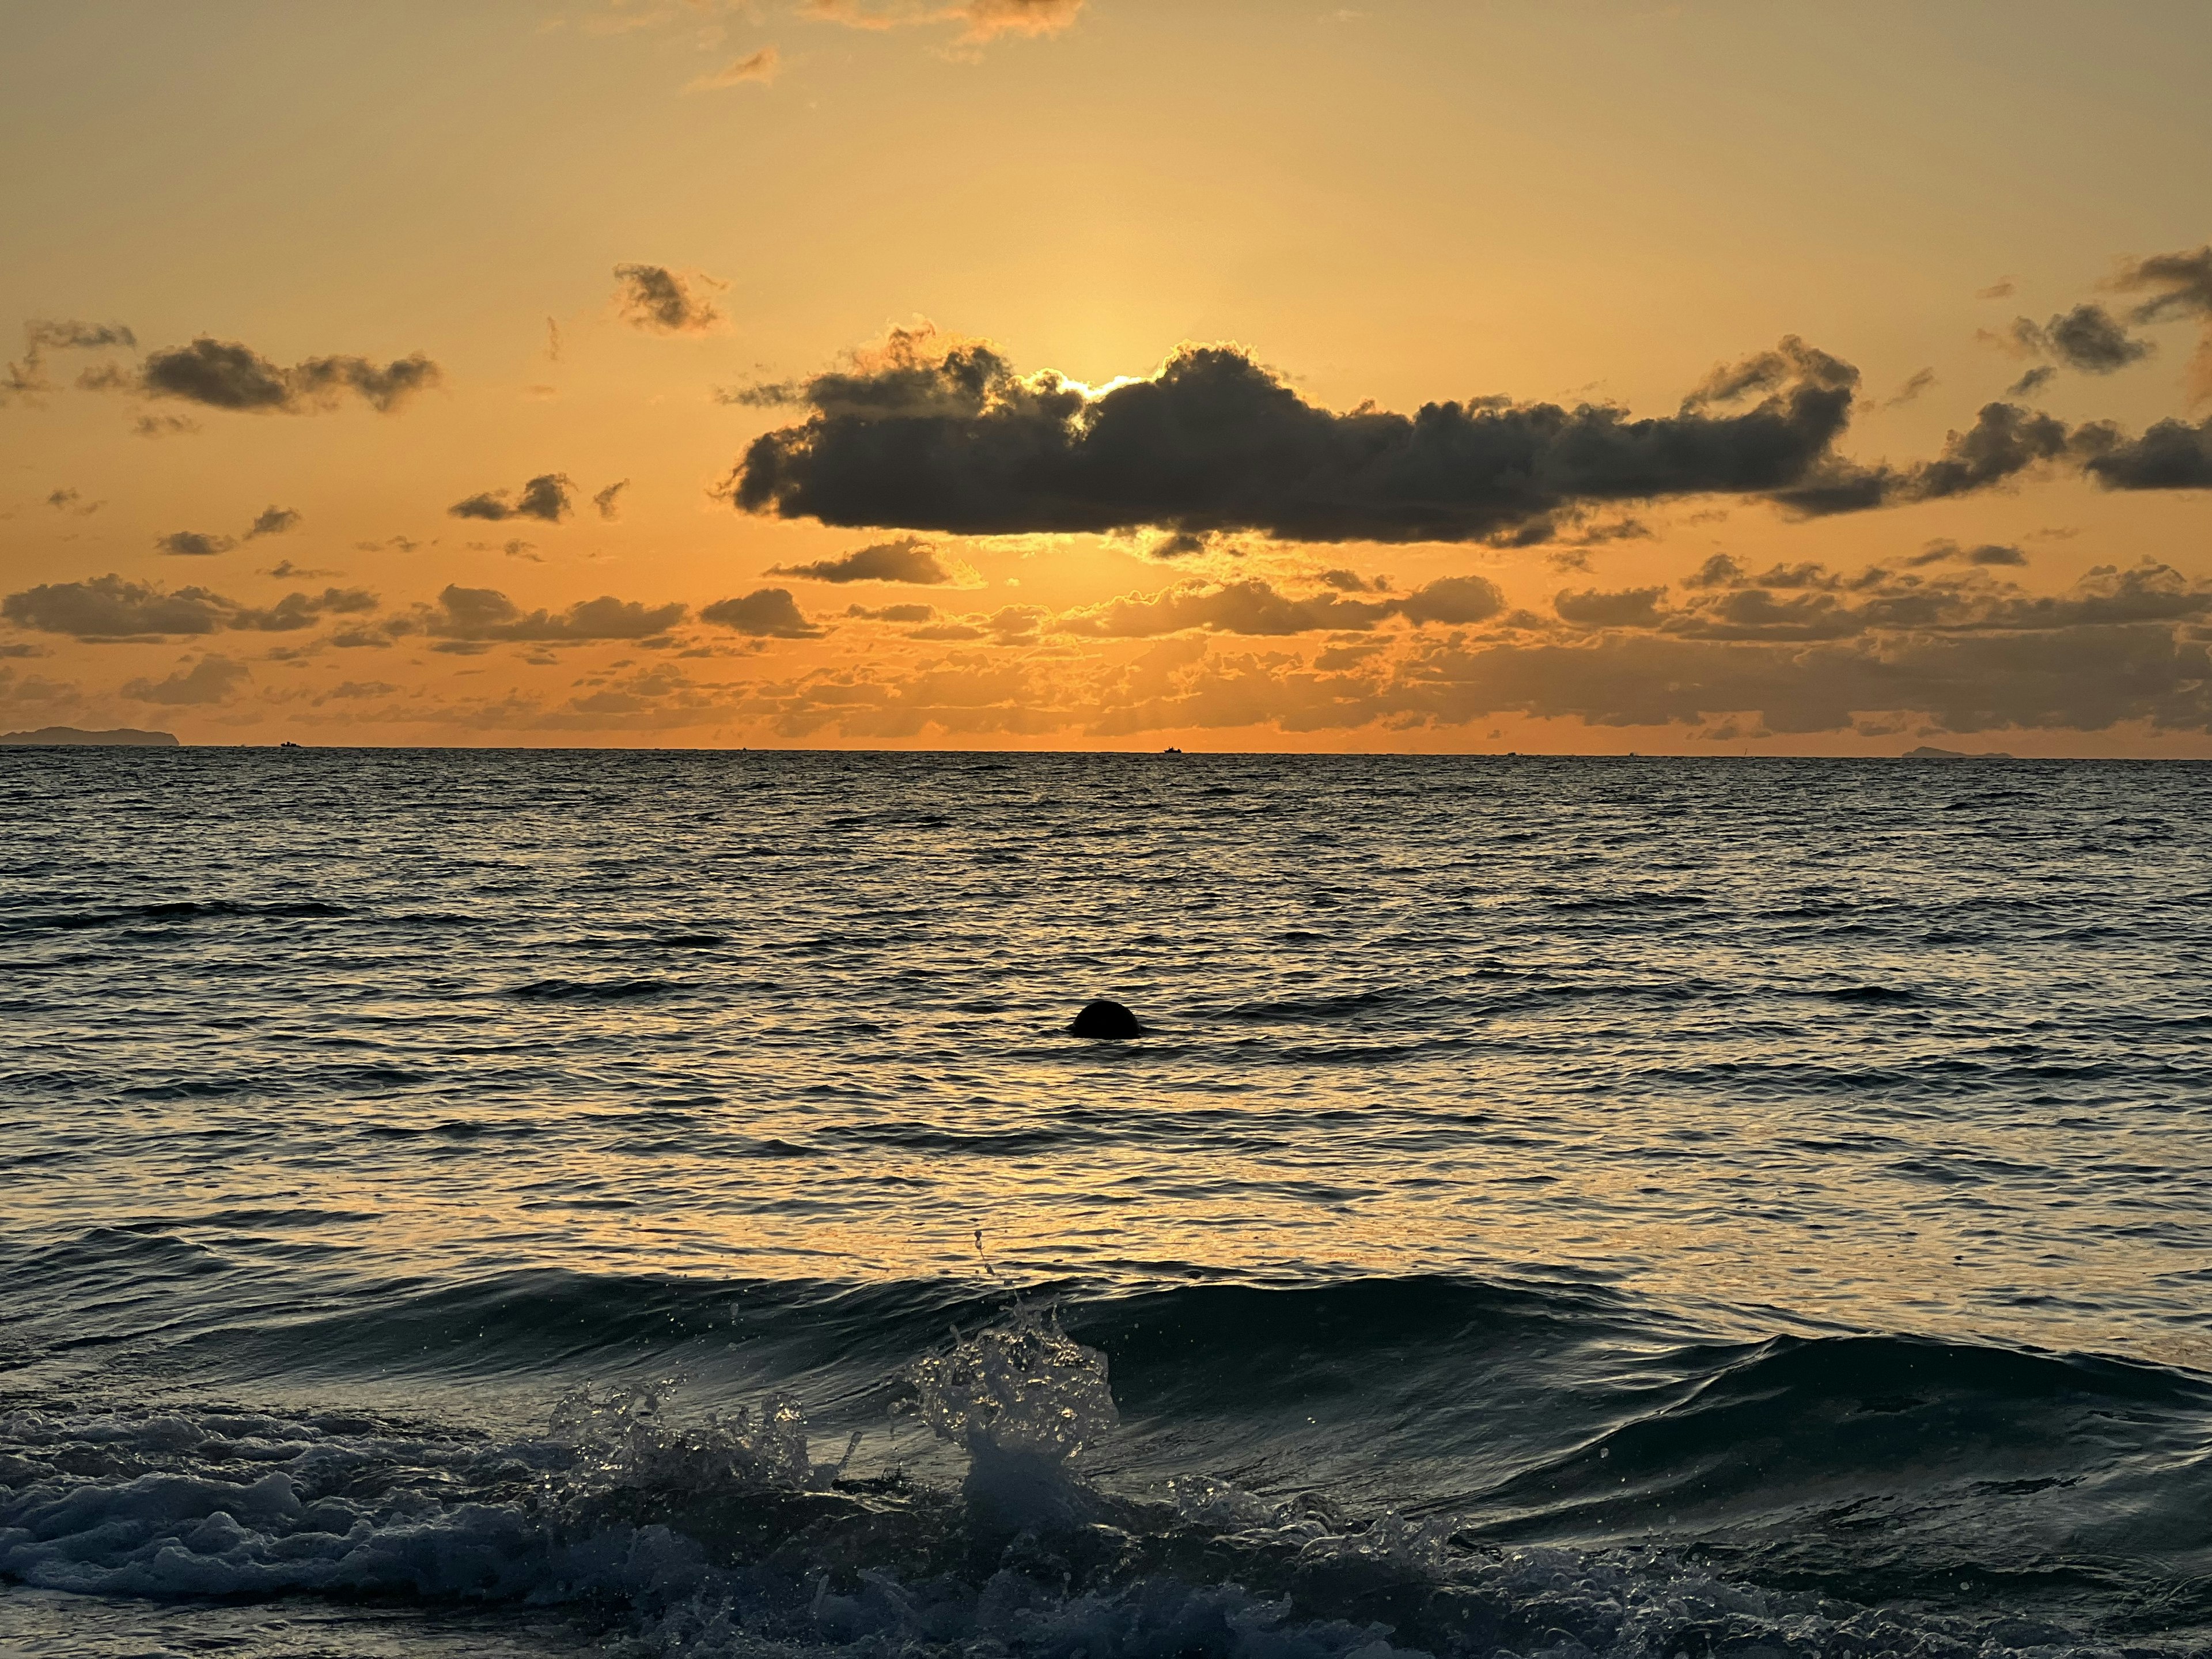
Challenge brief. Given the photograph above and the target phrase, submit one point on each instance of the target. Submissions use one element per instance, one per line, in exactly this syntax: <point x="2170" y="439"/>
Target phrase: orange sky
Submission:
<point x="436" y="254"/>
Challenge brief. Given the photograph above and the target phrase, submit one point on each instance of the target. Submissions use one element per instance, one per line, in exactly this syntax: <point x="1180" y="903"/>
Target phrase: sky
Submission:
<point x="1595" y="376"/>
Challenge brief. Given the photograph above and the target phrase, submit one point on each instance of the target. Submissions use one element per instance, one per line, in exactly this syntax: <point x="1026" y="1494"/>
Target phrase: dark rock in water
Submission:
<point x="1104" y="1019"/>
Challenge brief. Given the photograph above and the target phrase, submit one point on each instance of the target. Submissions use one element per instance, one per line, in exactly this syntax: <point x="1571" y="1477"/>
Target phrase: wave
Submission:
<point x="742" y="1532"/>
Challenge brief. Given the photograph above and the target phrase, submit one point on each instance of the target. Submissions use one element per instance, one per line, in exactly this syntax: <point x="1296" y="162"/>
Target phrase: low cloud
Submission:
<point x="112" y="608"/>
<point x="191" y="544"/>
<point x="1988" y="554"/>
<point x="764" y="613"/>
<point x="484" y="616"/>
<point x="657" y="300"/>
<point x="548" y="496"/>
<point x="224" y="375"/>
<point x="892" y="613"/>
<point x="1257" y="607"/>
<point x="909" y="559"/>
<point x="1805" y="602"/>
<point x="1631" y="607"/>
<point x="609" y="501"/>
<point x="929" y="434"/>
<point x="212" y="679"/>
<point x="273" y="522"/>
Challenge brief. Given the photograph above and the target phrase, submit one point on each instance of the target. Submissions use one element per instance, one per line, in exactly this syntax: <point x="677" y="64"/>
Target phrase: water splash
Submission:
<point x="1023" y="1400"/>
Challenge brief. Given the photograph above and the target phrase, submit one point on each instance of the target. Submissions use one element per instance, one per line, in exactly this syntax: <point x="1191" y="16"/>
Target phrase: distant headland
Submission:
<point x="52" y="736"/>
<point x="1929" y="751"/>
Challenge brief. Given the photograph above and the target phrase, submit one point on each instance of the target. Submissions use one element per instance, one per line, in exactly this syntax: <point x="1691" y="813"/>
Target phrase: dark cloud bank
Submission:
<point x="926" y="436"/>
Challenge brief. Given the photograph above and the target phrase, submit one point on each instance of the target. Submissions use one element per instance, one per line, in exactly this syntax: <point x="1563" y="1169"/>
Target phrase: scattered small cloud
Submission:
<point x="547" y="497"/>
<point x="71" y="501"/>
<point x="227" y="375"/>
<point x="2002" y="288"/>
<point x="193" y="545"/>
<point x="758" y="69"/>
<point x="2087" y="338"/>
<point x="273" y="522"/>
<point x="111" y="608"/>
<point x="609" y="501"/>
<point x="26" y="377"/>
<point x="1917" y="384"/>
<point x="2180" y="285"/>
<point x="657" y="300"/>
<point x="909" y="559"/>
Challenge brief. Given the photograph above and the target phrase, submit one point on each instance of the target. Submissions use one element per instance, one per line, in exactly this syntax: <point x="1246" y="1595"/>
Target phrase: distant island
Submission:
<point x="47" y="737"/>
<point x="1927" y="752"/>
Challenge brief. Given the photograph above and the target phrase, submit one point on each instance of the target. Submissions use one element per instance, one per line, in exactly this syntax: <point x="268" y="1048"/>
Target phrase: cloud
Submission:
<point x="2004" y="441"/>
<point x="1812" y="602"/>
<point x="224" y="375"/>
<point x="484" y="616"/>
<point x="764" y="613"/>
<point x="1256" y="607"/>
<point x="273" y="522"/>
<point x="608" y="500"/>
<point x="71" y="500"/>
<point x="74" y="336"/>
<point x="112" y="608"/>
<point x="2001" y="289"/>
<point x="190" y="544"/>
<point x="909" y="559"/>
<point x="2088" y="339"/>
<point x="2171" y="455"/>
<point x="892" y="613"/>
<point x="983" y="20"/>
<point x="546" y="496"/>
<point x="927" y="434"/>
<point x="210" y="680"/>
<point x="1351" y="581"/>
<point x="655" y="298"/>
<point x="1633" y="607"/>
<point x="1921" y="381"/>
<point x="1988" y="554"/>
<point x="2180" y="285"/>
<point x="26" y="377"/>
<point x="757" y="70"/>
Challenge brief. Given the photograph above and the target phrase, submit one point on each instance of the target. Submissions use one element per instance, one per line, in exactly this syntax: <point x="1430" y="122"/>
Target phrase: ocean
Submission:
<point x="528" y="1203"/>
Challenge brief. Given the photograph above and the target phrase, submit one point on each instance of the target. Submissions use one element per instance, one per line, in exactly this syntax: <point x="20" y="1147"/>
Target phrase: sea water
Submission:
<point x="521" y="1203"/>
